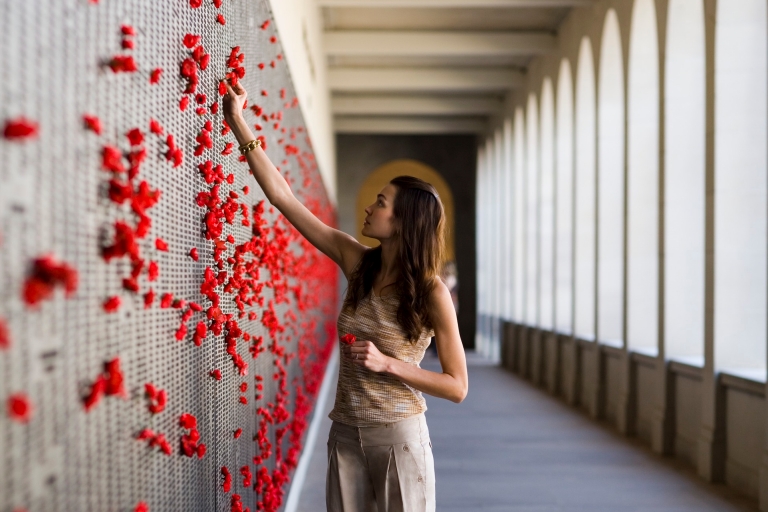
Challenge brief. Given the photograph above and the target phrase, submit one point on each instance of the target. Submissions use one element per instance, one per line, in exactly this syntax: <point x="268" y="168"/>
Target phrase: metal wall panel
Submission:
<point x="54" y="64"/>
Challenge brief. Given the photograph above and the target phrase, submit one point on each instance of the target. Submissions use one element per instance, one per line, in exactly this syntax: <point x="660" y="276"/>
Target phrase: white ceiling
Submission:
<point x="431" y="66"/>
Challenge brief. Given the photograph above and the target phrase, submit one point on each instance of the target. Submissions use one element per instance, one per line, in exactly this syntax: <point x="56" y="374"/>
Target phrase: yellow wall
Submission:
<point x="379" y="178"/>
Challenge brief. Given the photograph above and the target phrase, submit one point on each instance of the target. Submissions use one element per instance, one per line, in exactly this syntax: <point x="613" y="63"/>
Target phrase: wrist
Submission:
<point x="389" y="365"/>
<point x="240" y="129"/>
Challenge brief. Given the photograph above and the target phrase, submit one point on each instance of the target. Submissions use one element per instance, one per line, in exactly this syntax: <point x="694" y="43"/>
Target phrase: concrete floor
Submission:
<point x="512" y="447"/>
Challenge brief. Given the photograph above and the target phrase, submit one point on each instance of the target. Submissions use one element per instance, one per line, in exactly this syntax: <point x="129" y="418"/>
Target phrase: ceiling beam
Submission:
<point x="436" y="43"/>
<point x="408" y="125"/>
<point x="471" y="4"/>
<point x="382" y="105"/>
<point x="423" y="79"/>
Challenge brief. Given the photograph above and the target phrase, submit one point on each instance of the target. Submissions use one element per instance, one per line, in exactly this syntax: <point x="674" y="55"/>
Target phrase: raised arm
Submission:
<point x="337" y="245"/>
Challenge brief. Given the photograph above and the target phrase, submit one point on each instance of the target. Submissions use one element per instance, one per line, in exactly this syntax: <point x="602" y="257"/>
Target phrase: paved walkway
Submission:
<point x="512" y="447"/>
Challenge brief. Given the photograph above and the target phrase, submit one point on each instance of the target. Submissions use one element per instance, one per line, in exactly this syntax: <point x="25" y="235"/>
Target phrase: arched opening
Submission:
<point x="564" y="201"/>
<point x="519" y="217"/>
<point x="610" y="185"/>
<point x="547" y="207"/>
<point x="684" y="181"/>
<point x="508" y="267"/>
<point x="741" y="132"/>
<point x="532" y="210"/>
<point x="585" y="223"/>
<point x="643" y="180"/>
<point x="498" y="221"/>
<point x="482" y="249"/>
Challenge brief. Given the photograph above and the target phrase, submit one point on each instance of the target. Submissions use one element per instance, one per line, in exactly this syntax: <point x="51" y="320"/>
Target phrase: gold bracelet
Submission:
<point x="249" y="146"/>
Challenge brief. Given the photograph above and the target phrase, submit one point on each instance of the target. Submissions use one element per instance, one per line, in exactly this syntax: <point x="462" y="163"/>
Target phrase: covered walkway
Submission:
<point x="513" y="447"/>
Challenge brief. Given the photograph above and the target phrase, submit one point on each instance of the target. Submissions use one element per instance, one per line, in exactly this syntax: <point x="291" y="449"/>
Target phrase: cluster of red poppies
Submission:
<point x="108" y="383"/>
<point x="48" y="274"/>
<point x="294" y="270"/>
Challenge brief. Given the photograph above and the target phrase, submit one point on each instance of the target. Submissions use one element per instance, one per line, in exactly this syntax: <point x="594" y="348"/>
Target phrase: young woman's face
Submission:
<point x="379" y="216"/>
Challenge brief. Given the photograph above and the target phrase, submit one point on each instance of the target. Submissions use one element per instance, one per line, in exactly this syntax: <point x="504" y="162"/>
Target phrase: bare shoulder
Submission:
<point x="352" y="253"/>
<point x="440" y="297"/>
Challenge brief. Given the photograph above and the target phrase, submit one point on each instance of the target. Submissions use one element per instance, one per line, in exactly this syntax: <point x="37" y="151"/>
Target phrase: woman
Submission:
<point x="379" y="451"/>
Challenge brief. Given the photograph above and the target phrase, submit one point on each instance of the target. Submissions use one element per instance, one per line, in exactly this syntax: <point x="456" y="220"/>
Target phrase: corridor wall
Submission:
<point x="163" y="330"/>
<point x="659" y="239"/>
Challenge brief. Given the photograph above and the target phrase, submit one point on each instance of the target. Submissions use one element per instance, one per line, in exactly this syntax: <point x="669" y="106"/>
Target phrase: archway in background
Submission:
<point x="584" y="265"/>
<point x="643" y="180"/>
<point x="610" y="185"/>
<point x="532" y="210"/>
<point x="741" y="201"/>
<point x="518" y="136"/>
<point x="564" y="200"/>
<point x="547" y="207"/>
<point x="379" y="178"/>
<point x="684" y="187"/>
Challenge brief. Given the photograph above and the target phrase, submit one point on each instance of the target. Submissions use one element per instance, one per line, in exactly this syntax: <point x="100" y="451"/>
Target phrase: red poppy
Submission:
<point x="228" y="149"/>
<point x="47" y="274"/>
<point x="184" y="103"/>
<point x="127" y="44"/>
<point x="92" y="123"/>
<point x="154" y="76"/>
<point x="112" y="304"/>
<point x="112" y="159"/>
<point x="123" y="64"/>
<point x="217" y="3"/>
<point x="265" y="25"/>
<point x="113" y="378"/>
<point x="348" y="339"/>
<point x="191" y="40"/>
<point x="20" y="129"/>
<point x="220" y="19"/>
<point x="195" y="3"/>
<point x="193" y="254"/>
<point x="141" y="507"/>
<point x="216" y="374"/>
<point x="161" y="245"/>
<point x="135" y="137"/>
<point x="181" y="332"/>
<point x="131" y="284"/>
<point x="201" y="331"/>
<point x="149" y="298"/>
<point x="238" y="433"/>
<point x="127" y="30"/>
<point x="5" y="335"/>
<point x="227" y="484"/>
<point x="153" y="271"/>
<point x="155" y="127"/>
<point x="166" y="300"/>
<point x="19" y="408"/>
<point x="187" y="421"/>
<point x="158" y="398"/>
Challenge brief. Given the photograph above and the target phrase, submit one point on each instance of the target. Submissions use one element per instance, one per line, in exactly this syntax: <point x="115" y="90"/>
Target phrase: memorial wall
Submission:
<point x="163" y="329"/>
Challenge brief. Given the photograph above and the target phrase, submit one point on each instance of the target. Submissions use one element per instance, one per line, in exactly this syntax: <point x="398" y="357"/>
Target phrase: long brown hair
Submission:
<point x="420" y="225"/>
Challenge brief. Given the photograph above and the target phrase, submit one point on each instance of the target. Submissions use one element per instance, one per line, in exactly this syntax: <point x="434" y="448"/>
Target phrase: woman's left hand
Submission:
<point x="365" y="353"/>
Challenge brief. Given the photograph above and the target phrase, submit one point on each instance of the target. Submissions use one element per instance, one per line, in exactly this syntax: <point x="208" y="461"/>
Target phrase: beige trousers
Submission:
<point x="387" y="468"/>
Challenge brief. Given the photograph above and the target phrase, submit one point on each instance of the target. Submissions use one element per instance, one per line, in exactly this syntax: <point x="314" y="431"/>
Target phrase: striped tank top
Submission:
<point x="365" y="398"/>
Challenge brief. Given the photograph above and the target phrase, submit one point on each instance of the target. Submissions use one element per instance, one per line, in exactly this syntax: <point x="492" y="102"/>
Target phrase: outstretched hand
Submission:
<point x="365" y="354"/>
<point x="234" y="101"/>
